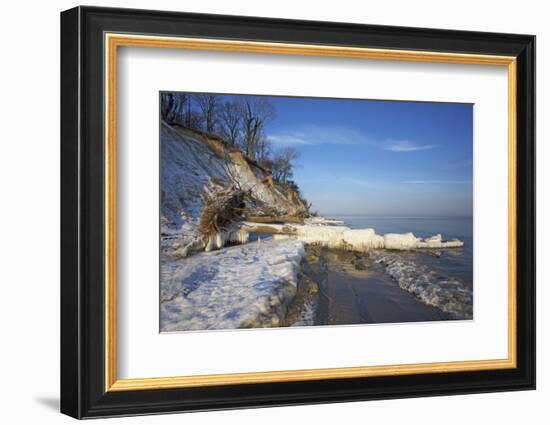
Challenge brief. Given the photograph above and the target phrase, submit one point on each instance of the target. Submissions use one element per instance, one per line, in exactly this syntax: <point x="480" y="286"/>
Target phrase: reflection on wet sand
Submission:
<point x="351" y="289"/>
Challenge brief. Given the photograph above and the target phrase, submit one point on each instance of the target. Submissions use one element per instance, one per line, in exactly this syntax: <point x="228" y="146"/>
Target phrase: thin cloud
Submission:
<point x="438" y="182"/>
<point x="317" y="135"/>
<point x="345" y="183"/>
<point x="406" y="146"/>
<point x="309" y="135"/>
<point x="288" y="140"/>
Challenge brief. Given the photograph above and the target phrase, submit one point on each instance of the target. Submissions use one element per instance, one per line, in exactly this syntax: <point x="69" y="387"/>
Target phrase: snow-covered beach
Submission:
<point x="255" y="284"/>
<point x="241" y="286"/>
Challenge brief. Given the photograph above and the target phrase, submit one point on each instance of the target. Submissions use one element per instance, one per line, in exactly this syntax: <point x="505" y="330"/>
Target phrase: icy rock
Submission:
<point x="342" y="237"/>
<point x="434" y="241"/>
<point x="363" y="239"/>
<point x="434" y="238"/>
<point x="400" y="241"/>
<point x="437" y="241"/>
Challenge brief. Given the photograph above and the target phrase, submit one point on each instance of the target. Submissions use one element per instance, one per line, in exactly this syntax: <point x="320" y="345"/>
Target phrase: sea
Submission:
<point x="456" y="262"/>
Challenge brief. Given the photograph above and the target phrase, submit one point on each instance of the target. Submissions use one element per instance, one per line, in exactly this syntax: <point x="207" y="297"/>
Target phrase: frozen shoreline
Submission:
<point x="342" y="237"/>
<point x="252" y="284"/>
<point x="207" y="285"/>
<point x="355" y="290"/>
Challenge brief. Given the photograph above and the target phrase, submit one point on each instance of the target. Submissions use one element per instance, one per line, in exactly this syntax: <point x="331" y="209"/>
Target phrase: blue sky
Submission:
<point x="379" y="157"/>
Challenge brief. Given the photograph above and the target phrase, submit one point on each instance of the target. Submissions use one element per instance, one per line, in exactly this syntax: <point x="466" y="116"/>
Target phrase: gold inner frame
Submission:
<point x="113" y="41"/>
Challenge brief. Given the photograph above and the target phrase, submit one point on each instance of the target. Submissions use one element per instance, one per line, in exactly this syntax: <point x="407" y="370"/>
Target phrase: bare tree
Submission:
<point x="171" y="106"/>
<point x="193" y="119"/>
<point x="264" y="151"/>
<point x="283" y="164"/>
<point x="188" y="111"/>
<point x="208" y="105"/>
<point x="230" y="121"/>
<point x="255" y="113"/>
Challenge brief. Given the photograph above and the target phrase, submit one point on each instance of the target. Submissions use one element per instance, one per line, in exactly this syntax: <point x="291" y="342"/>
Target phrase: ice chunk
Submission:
<point x="343" y="237"/>
<point x="363" y="239"/>
<point x="400" y="241"/>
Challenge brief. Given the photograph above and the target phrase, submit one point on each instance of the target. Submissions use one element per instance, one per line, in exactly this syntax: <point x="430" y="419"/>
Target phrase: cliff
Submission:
<point x="195" y="165"/>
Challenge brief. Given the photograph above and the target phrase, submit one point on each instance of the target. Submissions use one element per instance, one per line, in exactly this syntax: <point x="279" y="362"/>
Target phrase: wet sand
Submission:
<point x="351" y="290"/>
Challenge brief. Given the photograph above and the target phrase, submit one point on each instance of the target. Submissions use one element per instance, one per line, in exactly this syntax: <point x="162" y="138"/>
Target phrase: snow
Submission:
<point x="400" y="241"/>
<point x="242" y="286"/>
<point x="192" y="169"/>
<point x="307" y="315"/>
<point x="189" y="172"/>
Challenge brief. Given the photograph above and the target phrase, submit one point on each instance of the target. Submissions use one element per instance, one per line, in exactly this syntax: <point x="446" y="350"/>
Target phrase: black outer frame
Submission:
<point x="82" y="219"/>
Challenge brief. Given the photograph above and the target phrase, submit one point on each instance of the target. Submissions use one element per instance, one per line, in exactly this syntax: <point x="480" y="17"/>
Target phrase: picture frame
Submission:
<point x="90" y="40"/>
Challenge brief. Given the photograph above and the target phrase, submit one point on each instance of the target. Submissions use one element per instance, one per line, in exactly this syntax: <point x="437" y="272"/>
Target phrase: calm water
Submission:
<point x="456" y="262"/>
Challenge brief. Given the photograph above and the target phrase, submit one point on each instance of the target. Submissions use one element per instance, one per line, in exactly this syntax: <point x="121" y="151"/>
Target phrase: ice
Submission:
<point x="446" y="293"/>
<point x="242" y="286"/>
<point x="307" y="315"/>
<point x="220" y="239"/>
<point x="400" y="241"/>
<point x="342" y="237"/>
<point x="363" y="239"/>
<point x="322" y="221"/>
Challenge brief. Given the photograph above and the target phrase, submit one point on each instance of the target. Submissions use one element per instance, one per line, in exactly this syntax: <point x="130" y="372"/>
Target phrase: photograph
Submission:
<point x="279" y="211"/>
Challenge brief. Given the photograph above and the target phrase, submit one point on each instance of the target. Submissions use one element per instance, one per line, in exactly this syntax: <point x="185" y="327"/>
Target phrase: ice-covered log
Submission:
<point x="352" y="239"/>
<point x="363" y="239"/>
<point x="220" y="239"/>
<point x="275" y="219"/>
<point x="322" y="221"/>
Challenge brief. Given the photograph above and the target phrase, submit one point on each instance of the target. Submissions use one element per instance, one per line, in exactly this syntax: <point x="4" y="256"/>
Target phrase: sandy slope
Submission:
<point x="193" y="166"/>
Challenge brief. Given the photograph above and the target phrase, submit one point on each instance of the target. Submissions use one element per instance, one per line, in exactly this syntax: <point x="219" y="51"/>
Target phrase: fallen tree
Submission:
<point x="222" y="221"/>
<point x="275" y="219"/>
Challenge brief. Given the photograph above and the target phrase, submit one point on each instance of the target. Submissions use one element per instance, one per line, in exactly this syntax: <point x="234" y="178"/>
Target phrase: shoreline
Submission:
<point x="333" y="284"/>
<point x="351" y="291"/>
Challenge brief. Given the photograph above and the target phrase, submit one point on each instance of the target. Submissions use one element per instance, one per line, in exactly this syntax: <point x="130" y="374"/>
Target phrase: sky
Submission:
<point x="379" y="157"/>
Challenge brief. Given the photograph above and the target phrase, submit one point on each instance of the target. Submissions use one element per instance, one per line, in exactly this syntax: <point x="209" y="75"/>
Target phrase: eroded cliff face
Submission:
<point x="193" y="166"/>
